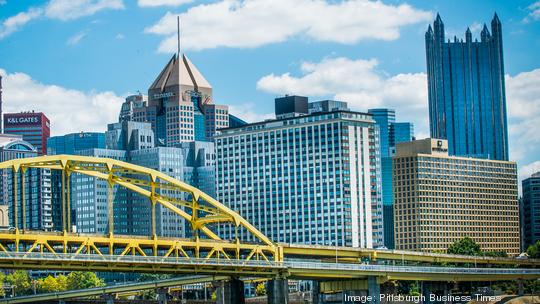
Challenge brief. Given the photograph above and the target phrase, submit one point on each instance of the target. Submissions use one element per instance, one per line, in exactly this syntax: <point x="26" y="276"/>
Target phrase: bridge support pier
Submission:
<point x="162" y="295"/>
<point x="230" y="292"/>
<point x="374" y="289"/>
<point x="315" y="292"/>
<point x="109" y="298"/>
<point x="278" y="291"/>
<point x="520" y="287"/>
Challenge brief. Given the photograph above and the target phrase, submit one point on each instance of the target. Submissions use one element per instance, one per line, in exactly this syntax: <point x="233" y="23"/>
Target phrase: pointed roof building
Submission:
<point x="180" y="73"/>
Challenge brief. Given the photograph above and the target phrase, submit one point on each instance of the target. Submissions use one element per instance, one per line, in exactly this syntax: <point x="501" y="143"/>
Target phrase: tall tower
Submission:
<point x="466" y="90"/>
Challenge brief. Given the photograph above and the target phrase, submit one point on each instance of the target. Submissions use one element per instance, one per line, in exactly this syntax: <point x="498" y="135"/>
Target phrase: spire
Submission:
<point x="496" y="18"/>
<point x="468" y="35"/>
<point x="178" y="33"/>
<point x="484" y="35"/>
<point x="438" y="19"/>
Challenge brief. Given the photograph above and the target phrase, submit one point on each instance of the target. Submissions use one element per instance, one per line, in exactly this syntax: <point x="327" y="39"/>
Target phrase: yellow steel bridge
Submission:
<point x="205" y="252"/>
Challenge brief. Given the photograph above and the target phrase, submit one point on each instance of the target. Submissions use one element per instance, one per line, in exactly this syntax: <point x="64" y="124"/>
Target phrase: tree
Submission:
<point x="20" y="282"/>
<point x="52" y="284"/>
<point x="2" y="278"/>
<point x="260" y="289"/>
<point x="464" y="246"/>
<point x="83" y="280"/>
<point x="534" y="250"/>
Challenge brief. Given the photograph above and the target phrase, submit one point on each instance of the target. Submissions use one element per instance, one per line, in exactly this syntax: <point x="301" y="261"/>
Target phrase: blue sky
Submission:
<point x="75" y="60"/>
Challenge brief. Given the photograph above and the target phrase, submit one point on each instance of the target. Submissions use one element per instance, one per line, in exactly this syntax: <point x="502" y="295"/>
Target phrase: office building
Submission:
<point x="133" y="142"/>
<point x="70" y="144"/>
<point x="390" y="133"/>
<point x="467" y="102"/>
<point x="180" y="106"/>
<point x="439" y="199"/>
<point x="133" y="105"/>
<point x="34" y="127"/>
<point x="530" y="210"/>
<point x="37" y="182"/>
<point x="74" y="142"/>
<point x="300" y="178"/>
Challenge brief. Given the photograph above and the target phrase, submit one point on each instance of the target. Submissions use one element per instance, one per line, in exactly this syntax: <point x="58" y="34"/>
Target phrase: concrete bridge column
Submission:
<point x="278" y="291"/>
<point x="162" y="294"/>
<point x="520" y="287"/>
<point x="109" y="298"/>
<point x="230" y="292"/>
<point x="315" y="292"/>
<point x="374" y="289"/>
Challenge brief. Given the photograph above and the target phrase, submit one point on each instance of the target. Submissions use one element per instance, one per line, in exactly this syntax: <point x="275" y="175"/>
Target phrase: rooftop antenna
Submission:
<point x="178" y="32"/>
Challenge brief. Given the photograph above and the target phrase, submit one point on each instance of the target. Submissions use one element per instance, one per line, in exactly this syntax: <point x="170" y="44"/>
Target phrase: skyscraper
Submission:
<point x="530" y="210"/>
<point x="302" y="178"/>
<point x="38" y="203"/>
<point x="390" y="133"/>
<point x="440" y="199"/>
<point x="34" y="127"/>
<point x="180" y="106"/>
<point x="467" y="103"/>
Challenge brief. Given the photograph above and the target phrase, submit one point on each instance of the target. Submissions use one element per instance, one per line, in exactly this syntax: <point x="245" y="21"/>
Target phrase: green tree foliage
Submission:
<point x="83" y="280"/>
<point x="534" y="250"/>
<point x="464" y="246"/>
<point x="260" y="289"/>
<point x="20" y="281"/>
<point x="52" y="284"/>
<point x="2" y="278"/>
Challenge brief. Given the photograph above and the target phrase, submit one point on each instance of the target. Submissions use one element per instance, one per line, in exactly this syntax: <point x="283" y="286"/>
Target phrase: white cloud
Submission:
<point x="523" y="102"/>
<point x="359" y="83"/>
<point x="73" y="9"/>
<point x="154" y="3"/>
<point x="75" y="39"/>
<point x="69" y="110"/>
<point x="527" y="170"/>
<point x="2" y="2"/>
<point x="120" y="36"/>
<point x="253" y="23"/>
<point x="248" y="112"/>
<point x="15" y="22"/>
<point x="57" y="9"/>
<point x="534" y="12"/>
<point x="363" y="86"/>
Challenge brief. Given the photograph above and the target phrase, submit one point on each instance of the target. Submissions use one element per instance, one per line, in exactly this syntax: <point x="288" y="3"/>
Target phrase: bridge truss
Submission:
<point x="200" y="211"/>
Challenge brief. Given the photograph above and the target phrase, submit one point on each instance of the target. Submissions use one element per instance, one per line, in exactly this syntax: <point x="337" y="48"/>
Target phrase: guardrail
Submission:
<point x="287" y="264"/>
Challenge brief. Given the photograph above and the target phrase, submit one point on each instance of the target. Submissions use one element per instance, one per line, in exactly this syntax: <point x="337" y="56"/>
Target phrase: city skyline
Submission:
<point x="312" y="53"/>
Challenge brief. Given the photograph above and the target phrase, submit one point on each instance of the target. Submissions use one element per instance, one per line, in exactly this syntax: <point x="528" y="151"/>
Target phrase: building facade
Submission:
<point x="390" y="133"/>
<point x="467" y="102"/>
<point x="37" y="187"/>
<point x="70" y="144"/>
<point x="530" y="210"/>
<point x="302" y="179"/>
<point x="133" y="142"/>
<point x="133" y="104"/>
<point x="34" y="127"/>
<point x="439" y="199"/>
<point x="74" y="142"/>
<point x="180" y="105"/>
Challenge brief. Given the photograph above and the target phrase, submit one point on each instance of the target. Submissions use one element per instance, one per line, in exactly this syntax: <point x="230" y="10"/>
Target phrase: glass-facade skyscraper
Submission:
<point x="467" y="103"/>
<point x="390" y="133"/>
<point x="530" y="210"/>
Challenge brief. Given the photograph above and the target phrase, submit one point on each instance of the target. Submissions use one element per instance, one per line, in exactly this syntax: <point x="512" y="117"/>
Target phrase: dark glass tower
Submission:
<point x="467" y="103"/>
